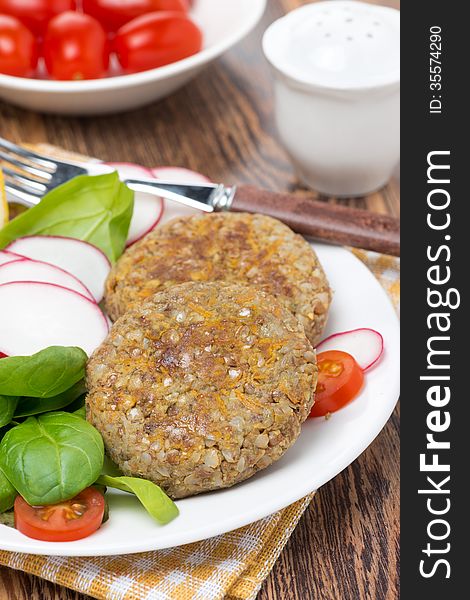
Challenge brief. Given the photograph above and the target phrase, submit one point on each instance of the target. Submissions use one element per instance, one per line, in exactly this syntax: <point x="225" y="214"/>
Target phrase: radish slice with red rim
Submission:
<point x="364" y="344"/>
<point x="174" y="210"/>
<point x="178" y="175"/>
<point x="8" y="257"/>
<point x="130" y="170"/>
<point x="148" y="209"/>
<point x="26" y="269"/>
<point x="83" y="260"/>
<point x="37" y="315"/>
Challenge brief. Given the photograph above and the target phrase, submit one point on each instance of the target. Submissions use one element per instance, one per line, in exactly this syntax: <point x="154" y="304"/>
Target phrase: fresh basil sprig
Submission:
<point x="96" y="209"/>
<point x="7" y="409"/>
<point x="152" y="497"/>
<point x="28" y="406"/>
<point x="51" y="458"/>
<point x="7" y="493"/>
<point x="45" y="374"/>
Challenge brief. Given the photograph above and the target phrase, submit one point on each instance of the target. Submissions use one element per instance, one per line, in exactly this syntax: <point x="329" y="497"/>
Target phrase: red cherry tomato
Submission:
<point x="18" y="48"/>
<point x="65" y="522"/>
<point x="113" y="14"/>
<point x="75" y="47"/>
<point x="35" y="14"/>
<point x="156" y="39"/>
<point x="340" y="379"/>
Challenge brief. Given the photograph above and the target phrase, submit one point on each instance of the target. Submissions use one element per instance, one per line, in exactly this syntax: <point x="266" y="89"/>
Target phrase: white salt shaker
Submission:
<point x="336" y="71"/>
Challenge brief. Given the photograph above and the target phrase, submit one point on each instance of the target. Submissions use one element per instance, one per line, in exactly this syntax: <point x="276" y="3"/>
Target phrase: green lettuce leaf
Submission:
<point x="152" y="497"/>
<point x="96" y="209"/>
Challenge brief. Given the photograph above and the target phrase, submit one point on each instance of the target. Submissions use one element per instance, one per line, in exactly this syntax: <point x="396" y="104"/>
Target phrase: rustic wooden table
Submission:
<point x="222" y="124"/>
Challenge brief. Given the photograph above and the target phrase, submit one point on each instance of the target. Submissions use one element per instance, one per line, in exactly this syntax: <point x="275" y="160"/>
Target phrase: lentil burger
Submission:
<point x="201" y="386"/>
<point x="231" y="247"/>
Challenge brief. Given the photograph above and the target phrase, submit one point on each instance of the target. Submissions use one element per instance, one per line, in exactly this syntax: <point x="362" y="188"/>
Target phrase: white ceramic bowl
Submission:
<point x="223" y="22"/>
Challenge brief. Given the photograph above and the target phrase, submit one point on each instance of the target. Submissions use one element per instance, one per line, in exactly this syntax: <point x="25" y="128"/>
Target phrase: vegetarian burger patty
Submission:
<point x="201" y="386"/>
<point x="231" y="247"/>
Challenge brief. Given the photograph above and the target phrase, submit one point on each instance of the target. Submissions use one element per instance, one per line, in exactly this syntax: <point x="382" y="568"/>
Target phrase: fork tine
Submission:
<point x="17" y="194"/>
<point x="35" y="187"/>
<point x="24" y="167"/>
<point x="31" y="156"/>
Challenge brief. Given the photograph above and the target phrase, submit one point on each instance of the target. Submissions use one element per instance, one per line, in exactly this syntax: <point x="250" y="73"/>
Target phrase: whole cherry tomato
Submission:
<point x="18" y="48"/>
<point x="35" y="14"/>
<point x="113" y="14"/>
<point x="156" y="39"/>
<point x="340" y="379"/>
<point x="75" y="47"/>
<point x="65" y="522"/>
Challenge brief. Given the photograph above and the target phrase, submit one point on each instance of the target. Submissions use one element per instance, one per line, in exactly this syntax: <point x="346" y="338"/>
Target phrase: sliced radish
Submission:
<point x="7" y="257"/>
<point x="366" y="345"/>
<point x="26" y="269"/>
<point x="37" y="315"/>
<point x="148" y="209"/>
<point x="178" y="175"/>
<point x="130" y="170"/>
<point x="83" y="260"/>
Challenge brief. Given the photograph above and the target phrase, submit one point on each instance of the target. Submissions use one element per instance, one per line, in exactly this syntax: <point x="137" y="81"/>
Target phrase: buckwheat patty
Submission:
<point x="231" y="247"/>
<point x="201" y="386"/>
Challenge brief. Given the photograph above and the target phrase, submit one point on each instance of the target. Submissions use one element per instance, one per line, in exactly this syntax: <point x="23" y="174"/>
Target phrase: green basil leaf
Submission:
<point x="52" y="458"/>
<point x="152" y="497"/>
<point x="28" y="407"/>
<point x="77" y="404"/>
<point x="4" y="430"/>
<point x="96" y="209"/>
<point x="45" y="374"/>
<point x="81" y="412"/>
<point x="7" y="409"/>
<point x="110" y="467"/>
<point x="7" y="493"/>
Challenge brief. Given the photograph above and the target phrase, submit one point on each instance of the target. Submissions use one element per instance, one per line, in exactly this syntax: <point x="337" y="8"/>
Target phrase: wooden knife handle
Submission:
<point x="330" y="222"/>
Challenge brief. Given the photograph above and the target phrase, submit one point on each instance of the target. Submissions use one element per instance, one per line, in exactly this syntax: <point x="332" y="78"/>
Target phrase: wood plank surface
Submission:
<point x="222" y="124"/>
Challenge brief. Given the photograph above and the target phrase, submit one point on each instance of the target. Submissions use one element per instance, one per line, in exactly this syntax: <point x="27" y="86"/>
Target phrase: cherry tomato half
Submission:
<point x="340" y="379"/>
<point x="156" y="39"/>
<point x="75" y="47"/>
<point x="113" y="14"/>
<point x="18" y="48"/>
<point x="35" y="14"/>
<point x="65" y="522"/>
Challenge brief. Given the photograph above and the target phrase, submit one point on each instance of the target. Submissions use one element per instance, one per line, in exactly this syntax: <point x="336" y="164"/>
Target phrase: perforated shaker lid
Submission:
<point x="338" y="44"/>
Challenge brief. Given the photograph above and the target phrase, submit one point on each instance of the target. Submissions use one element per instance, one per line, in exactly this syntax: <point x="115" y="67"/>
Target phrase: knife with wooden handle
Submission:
<point x="336" y="224"/>
<point x="323" y="221"/>
<point x="320" y="220"/>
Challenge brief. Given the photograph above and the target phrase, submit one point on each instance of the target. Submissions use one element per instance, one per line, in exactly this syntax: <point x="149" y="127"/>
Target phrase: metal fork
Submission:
<point x="31" y="175"/>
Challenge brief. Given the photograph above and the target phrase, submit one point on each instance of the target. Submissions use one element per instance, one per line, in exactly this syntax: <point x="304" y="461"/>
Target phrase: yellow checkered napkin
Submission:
<point x="231" y="566"/>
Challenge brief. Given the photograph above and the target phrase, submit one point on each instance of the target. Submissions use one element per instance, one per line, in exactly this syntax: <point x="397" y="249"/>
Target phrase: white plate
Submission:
<point x="223" y="23"/>
<point x="323" y="449"/>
